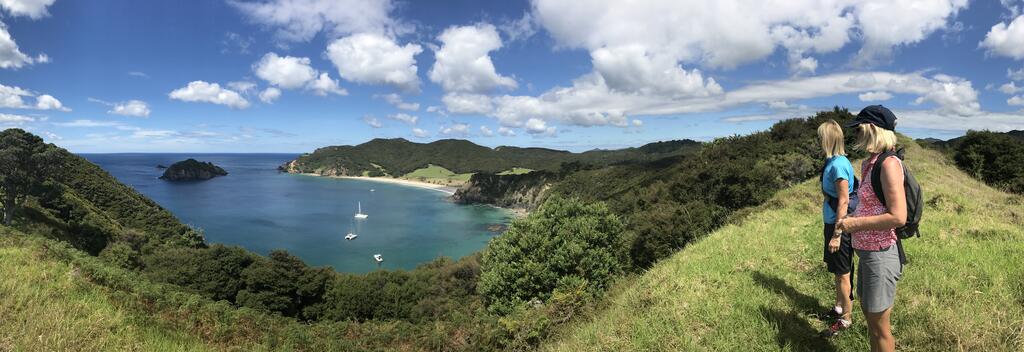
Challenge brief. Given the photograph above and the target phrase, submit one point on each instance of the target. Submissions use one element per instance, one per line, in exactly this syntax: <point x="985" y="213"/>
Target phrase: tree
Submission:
<point x="565" y="237"/>
<point x="24" y="159"/>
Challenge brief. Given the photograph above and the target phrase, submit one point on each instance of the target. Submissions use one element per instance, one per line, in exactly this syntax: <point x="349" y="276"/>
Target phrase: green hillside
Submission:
<point x="755" y="284"/>
<point x="400" y="157"/>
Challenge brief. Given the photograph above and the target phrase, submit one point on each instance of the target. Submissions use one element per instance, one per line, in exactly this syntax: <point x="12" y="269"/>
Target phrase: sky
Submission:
<point x="295" y="75"/>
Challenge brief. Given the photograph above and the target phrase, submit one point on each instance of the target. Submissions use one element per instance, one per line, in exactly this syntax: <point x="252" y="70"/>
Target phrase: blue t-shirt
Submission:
<point x="836" y="168"/>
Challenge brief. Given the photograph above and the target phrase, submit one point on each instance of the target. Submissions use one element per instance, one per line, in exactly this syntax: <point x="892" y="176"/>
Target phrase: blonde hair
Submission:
<point x="831" y="136"/>
<point x="874" y="139"/>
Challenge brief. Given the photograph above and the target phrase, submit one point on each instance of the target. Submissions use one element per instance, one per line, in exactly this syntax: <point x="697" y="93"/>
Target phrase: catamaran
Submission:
<point x="378" y="258"/>
<point x="359" y="214"/>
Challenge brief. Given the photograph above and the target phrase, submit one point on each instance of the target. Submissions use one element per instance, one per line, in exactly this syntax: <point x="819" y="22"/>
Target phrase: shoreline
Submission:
<point x="440" y="188"/>
<point x="450" y="191"/>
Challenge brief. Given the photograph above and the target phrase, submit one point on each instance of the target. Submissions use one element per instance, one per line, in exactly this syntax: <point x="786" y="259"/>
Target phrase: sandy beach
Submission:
<point x="441" y="188"/>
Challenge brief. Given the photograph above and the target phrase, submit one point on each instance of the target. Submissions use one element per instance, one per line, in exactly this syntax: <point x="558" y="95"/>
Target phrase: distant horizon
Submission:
<point x="241" y="76"/>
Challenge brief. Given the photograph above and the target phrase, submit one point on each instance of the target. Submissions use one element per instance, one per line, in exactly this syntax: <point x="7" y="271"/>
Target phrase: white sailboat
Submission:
<point x="378" y="258"/>
<point x="359" y="214"/>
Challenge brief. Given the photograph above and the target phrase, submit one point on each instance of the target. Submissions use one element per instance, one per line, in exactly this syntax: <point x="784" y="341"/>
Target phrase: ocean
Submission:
<point x="260" y="209"/>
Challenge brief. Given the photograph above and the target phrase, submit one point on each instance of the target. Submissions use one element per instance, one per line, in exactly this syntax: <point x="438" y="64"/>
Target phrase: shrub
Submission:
<point x="564" y="237"/>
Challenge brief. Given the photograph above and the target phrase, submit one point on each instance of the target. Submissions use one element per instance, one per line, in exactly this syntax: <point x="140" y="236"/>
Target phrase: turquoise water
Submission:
<point x="260" y="209"/>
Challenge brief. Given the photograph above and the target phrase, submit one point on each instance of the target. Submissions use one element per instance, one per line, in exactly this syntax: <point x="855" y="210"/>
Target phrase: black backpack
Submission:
<point x="912" y="189"/>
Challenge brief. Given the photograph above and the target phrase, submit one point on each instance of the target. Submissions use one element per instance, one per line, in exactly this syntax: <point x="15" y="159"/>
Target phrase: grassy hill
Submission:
<point x="398" y="157"/>
<point x="755" y="284"/>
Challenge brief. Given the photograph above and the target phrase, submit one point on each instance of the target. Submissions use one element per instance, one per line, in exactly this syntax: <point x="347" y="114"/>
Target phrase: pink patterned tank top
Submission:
<point x="869" y="206"/>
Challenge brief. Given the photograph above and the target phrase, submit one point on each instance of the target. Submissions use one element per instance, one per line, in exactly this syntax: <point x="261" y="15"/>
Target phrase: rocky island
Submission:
<point x="192" y="170"/>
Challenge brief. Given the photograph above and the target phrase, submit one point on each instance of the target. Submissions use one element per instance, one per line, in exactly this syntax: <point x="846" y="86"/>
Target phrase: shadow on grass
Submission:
<point x="794" y="330"/>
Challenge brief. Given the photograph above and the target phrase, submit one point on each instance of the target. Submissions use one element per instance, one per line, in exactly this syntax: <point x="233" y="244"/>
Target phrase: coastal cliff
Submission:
<point x="192" y="170"/>
<point x="523" y="191"/>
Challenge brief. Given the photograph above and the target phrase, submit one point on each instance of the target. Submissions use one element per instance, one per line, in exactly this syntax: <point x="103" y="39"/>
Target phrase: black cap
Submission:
<point x="876" y="115"/>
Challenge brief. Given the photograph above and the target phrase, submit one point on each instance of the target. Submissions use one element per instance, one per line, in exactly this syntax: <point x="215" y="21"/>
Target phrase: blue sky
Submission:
<point x="294" y="75"/>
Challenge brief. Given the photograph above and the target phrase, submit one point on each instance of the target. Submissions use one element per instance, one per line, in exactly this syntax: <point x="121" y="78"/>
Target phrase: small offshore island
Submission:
<point x="192" y="170"/>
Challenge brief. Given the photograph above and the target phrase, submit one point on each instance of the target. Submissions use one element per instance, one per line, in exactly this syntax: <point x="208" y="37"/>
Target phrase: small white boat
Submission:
<point x="359" y="214"/>
<point x="372" y="190"/>
<point x="378" y="258"/>
<point x="351" y="236"/>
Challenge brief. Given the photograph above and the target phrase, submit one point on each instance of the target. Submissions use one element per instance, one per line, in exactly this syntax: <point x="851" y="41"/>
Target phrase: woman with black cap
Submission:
<point x="872" y="225"/>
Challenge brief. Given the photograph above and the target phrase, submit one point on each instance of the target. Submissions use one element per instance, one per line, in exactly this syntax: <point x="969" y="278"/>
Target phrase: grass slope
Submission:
<point x="48" y="306"/>
<point x="437" y="174"/>
<point x="755" y="285"/>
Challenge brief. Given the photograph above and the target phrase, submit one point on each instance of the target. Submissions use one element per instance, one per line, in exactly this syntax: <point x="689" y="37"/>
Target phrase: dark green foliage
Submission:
<point x="215" y="272"/>
<point x="23" y="156"/>
<point x="996" y="158"/>
<point x="563" y="238"/>
<point x="665" y="227"/>
<point x="399" y="157"/>
<point x="122" y="255"/>
<point x="283" y="284"/>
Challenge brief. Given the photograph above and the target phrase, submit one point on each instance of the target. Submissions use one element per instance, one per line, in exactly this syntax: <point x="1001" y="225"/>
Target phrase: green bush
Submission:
<point x="996" y="158"/>
<point x="563" y="238"/>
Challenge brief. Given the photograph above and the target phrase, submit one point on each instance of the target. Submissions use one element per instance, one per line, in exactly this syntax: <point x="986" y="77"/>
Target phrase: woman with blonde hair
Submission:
<point x="873" y="225"/>
<point x="837" y="185"/>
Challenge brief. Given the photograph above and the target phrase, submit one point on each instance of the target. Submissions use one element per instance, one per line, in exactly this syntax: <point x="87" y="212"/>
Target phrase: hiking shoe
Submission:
<point x="836" y="328"/>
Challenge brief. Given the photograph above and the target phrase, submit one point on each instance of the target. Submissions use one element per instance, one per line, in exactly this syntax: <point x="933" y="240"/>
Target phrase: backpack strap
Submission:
<point x="876" y="173"/>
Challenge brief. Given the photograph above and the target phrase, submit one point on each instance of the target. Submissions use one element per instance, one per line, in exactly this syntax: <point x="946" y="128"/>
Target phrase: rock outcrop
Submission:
<point x="192" y="170"/>
<point x="524" y="191"/>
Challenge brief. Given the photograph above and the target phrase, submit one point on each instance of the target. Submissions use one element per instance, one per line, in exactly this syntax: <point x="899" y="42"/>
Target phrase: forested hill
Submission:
<point x="397" y="157"/>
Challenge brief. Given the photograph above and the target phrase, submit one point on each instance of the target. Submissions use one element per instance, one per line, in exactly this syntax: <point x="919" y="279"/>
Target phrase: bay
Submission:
<point x="260" y="209"/>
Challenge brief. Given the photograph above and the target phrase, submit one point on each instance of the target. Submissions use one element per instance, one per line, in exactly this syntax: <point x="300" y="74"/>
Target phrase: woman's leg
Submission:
<point x="843" y="295"/>
<point x="879" y="331"/>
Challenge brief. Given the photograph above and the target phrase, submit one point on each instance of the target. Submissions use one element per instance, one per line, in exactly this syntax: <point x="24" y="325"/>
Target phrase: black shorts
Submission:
<point x="840" y="262"/>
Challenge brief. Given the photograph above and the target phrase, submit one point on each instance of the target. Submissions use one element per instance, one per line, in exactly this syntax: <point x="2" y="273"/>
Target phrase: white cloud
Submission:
<point x="455" y="130"/>
<point x="13" y="119"/>
<point x="300" y="20"/>
<point x="522" y="28"/>
<point x="633" y="69"/>
<point x="590" y="102"/>
<point x="486" y="132"/>
<point x="48" y="102"/>
<point x="287" y="72"/>
<point x="326" y="85"/>
<point x="138" y="74"/>
<point x="1015" y="101"/>
<point x="875" y="96"/>
<point x="135" y="108"/>
<point x="637" y="123"/>
<point x="463" y="63"/>
<point x="507" y="132"/>
<point x="458" y="103"/>
<point x="1006" y="39"/>
<point x="403" y="117"/>
<point x="269" y="95"/>
<point x="372" y="121"/>
<point x="538" y="127"/>
<point x="244" y="87"/>
<point x="11" y="56"/>
<point x="375" y="59"/>
<point x="1010" y="88"/>
<point x="729" y="33"/>
<point x="396" y="100"/>
<point x="420" y="133"/>
<point x="1017" y="75"/>
<point x="805" y="65"/>
<point x="202" y="91"/>
<point x="13" y="97"/>
<point x="34" y="9"/>
<point x="88" y="123"/>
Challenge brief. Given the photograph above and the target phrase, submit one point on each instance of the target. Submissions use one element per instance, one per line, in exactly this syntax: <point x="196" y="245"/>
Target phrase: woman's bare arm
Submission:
<point x="844" y="198"/>
<point x="892" y="187"/>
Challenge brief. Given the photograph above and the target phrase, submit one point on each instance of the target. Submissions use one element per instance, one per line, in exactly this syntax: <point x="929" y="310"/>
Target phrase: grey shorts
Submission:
<point x="877" y="277"/>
